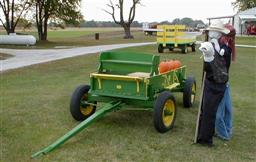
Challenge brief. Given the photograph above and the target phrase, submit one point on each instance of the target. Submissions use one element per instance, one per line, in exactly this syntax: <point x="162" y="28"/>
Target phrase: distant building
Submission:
<point x="241" y="21"/>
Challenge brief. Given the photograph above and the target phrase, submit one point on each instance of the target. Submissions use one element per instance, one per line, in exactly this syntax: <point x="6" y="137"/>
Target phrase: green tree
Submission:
<point x="64" y="10"/>
<point x="24" y="23"/>
<point x="187" y="21"/>
<point x="244" y="4"/>
<point x="12" y="11"/>
<point x="176" y="21"/>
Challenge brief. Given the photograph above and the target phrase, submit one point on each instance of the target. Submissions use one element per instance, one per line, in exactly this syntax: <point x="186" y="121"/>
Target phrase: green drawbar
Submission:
<point x="98" y="114"/>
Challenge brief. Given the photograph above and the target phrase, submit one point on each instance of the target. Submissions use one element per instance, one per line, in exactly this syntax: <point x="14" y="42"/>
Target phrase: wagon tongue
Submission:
<point x="98" y="114"/>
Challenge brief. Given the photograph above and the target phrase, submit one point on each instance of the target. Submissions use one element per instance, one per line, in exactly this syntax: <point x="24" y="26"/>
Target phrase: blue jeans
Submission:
<point x="223" y="122"/>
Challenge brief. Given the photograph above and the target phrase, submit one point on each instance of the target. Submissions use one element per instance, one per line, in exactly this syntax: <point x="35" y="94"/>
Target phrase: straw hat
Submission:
<point x="218" y="26"/>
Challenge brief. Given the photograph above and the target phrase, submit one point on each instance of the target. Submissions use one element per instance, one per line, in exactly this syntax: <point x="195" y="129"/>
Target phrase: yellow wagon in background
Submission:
<point x="175" y="36"/>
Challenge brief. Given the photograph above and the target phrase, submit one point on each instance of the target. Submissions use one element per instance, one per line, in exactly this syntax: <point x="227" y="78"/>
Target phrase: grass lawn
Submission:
<point x="85" y="37"/>
<point x="35" y="112"/>
<point x="246" y="40"/>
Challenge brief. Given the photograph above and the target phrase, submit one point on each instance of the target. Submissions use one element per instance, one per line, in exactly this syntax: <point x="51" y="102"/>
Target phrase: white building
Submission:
<point x="240" y="20"/>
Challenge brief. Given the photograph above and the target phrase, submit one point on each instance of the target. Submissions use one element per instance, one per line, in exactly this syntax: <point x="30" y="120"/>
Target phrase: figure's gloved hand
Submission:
<point x="222" y="52"/>
<point x="208" y="51"/>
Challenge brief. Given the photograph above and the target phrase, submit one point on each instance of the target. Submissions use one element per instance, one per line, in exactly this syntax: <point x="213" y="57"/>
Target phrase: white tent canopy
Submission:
<point x="240" y="20"/>
<point x="245" y="18"/>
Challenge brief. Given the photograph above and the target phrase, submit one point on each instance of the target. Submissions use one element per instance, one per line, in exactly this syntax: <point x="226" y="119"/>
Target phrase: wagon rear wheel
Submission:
<point x="189" y="92"/>
<point x="160" y="48"/>
<point x="164" y="112"/>
<point x="80" y="109"/>
<point x="171" y="48"/>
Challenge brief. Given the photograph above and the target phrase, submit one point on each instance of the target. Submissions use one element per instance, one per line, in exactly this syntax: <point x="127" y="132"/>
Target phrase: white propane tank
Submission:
<point x="12" y="38"/>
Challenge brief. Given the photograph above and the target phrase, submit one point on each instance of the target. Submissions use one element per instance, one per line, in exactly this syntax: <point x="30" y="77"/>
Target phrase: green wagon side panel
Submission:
<point x="172" y="80"/>
<point x="123" y="63"/>
<point x="119" y="88"/>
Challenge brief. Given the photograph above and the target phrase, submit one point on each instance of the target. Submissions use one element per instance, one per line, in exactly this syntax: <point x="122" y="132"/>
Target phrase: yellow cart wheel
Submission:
<point x="164" y="112"/>
<point x="80" y="109"/>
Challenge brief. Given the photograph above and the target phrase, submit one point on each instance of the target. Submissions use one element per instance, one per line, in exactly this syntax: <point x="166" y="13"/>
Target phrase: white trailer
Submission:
<point x="148" y="30"/>
<point x="13" y="39"/>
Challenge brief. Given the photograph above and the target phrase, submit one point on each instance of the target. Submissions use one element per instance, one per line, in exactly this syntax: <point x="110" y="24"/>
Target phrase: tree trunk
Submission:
<point x="40" y="31"/>
<point x="8" y="30"/>
<point x="12" y="30"/>
<point x="127" y="31"/>
<point x="45" y="30"/>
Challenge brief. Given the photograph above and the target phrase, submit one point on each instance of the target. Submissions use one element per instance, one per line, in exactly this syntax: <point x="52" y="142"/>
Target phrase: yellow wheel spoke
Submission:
<point x="168" y="113"/>
<point x="193" y="93"/>
<point x="86" y="110"/>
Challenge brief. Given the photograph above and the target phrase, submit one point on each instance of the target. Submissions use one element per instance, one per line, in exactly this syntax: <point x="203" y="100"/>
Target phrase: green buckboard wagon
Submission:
<point x="125" y="78"/>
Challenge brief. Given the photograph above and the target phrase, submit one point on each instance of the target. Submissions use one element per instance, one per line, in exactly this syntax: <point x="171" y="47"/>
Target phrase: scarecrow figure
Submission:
<point x="217" y="59"/>
<point x="223" y="123"/>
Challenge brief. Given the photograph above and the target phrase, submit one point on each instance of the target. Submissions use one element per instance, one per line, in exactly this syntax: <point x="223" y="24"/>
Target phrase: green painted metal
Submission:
<point x="98" y="114"/>
<point x="126" y="62"/>
<point x="159" y="83"/>
<point x="112" y="79"/>
<point x="136" y="103"/>
<point x="113" y="85"/>
<point x="144" y="89"/>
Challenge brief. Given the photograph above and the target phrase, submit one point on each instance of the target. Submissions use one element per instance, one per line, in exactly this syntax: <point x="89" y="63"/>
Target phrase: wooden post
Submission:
<point x="199" y="109"/>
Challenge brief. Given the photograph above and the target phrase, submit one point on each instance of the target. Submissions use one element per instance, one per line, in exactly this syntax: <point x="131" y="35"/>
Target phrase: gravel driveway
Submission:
<point x="29" y="57"/>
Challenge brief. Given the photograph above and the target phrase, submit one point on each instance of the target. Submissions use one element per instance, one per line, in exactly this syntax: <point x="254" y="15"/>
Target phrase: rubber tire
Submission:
<point x="187" y="92"/>
<point x="193" y="47"/>
<point x="171" y="49"/>
<point x="158" y="109"/>
<point x="160" y="48"/>
<point x="184" y="49"/>
<point x="76" y="97"/>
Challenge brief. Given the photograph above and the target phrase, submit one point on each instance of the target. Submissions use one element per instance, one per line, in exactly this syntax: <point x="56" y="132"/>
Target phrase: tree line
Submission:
<point x="27" y="24"/>
<point x="184" y="21"/>
<point x="93" y="23"/>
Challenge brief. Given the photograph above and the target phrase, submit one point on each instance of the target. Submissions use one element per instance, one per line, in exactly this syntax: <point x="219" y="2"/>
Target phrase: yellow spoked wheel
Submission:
<point x="168" y="113"/>
<point x="85" y="109"/>
<point x="164" y="112"/>
<point x="189" y="92"/>
<point x="80" y="108"/>
<point x="193" y="94"/>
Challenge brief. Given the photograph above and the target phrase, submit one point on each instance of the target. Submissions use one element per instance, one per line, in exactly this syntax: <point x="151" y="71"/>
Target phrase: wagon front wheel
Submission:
<point x="184" y="49"/>
<point x="193" y="47"/>
<point x="189" y="92"/>
<point x="80" y="109"/>
<point x="164" y="112"/>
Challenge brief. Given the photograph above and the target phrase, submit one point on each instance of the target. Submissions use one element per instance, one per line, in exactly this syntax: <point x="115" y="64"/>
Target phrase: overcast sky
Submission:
<point x="161" y="10"/>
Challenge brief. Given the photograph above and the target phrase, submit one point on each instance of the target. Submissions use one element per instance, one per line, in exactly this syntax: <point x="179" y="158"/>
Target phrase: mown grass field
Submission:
<point x="35" y="112"/>
<point x="73" y="37"/>
<point x="251" y="40"/>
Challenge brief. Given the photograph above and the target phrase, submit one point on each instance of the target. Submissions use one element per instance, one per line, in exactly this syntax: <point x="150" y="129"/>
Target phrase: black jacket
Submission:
<point x="227" y="57"/>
